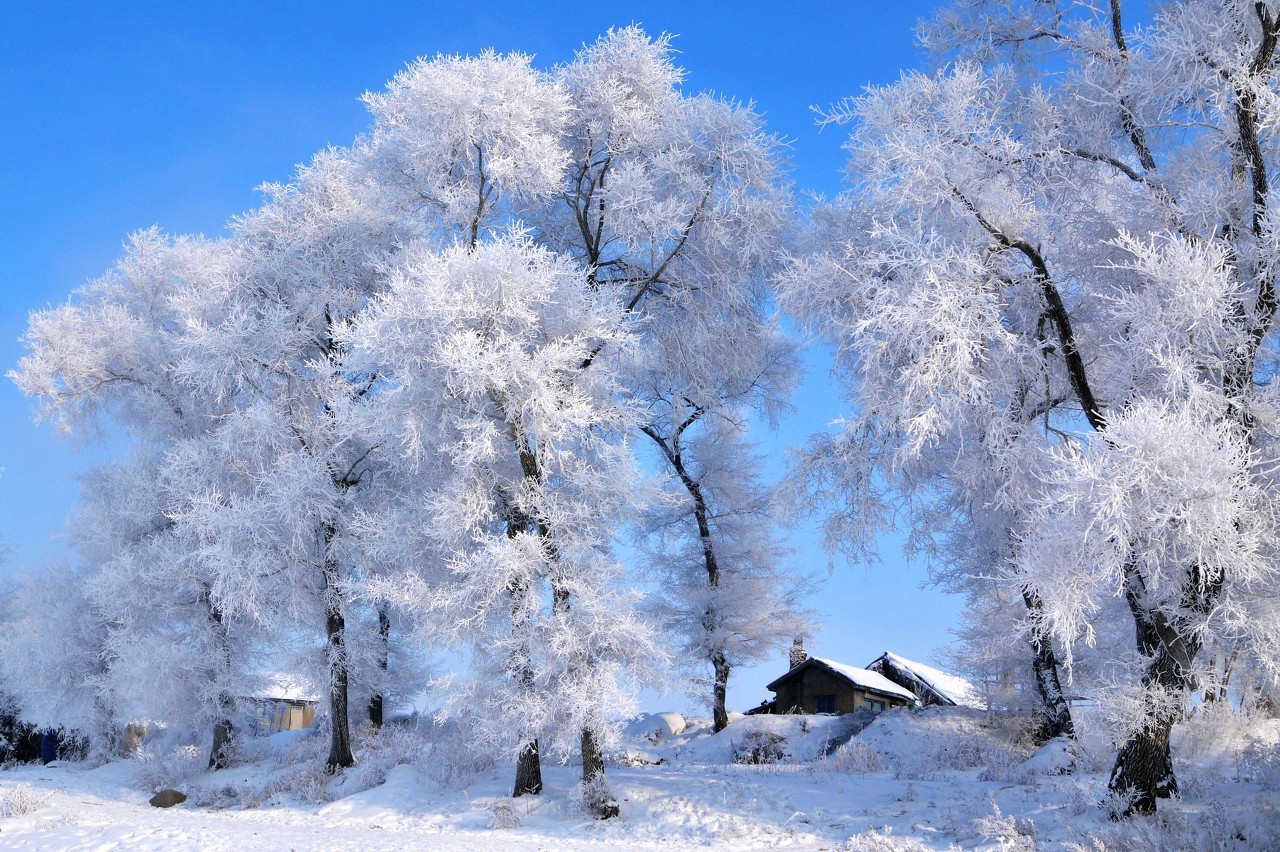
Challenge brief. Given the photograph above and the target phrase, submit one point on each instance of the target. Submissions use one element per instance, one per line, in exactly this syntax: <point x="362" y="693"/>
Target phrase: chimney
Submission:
<point x="798" y="655"/>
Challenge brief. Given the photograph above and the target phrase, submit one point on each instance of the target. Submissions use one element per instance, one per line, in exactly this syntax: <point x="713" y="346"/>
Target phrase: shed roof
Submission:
<point x="281" y="686"/>
<point x="955" y="689"/>
<point x="861" y="678"/>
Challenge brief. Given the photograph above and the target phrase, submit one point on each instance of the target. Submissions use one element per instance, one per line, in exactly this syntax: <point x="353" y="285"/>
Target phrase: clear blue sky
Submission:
<point x="119" y="116"/>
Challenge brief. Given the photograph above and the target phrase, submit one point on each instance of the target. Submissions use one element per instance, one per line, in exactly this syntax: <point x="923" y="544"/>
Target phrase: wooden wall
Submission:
<point x="802" y="691"/>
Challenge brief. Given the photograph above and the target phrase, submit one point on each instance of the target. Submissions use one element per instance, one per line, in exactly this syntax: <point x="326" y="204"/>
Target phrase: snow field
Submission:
<point x="926" y="779"/>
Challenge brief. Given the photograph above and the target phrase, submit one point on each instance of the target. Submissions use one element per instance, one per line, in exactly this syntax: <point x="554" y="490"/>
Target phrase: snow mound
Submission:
<point x="386" y="804"/>
<point x="1058" y="756"/>
<point x="771" y="739"/>
<point x="934" y="739"/>
<point x="654" y="728"/>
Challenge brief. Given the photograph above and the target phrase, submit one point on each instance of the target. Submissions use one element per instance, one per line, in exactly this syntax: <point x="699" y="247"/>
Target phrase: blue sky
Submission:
<point x="171" y="113"/>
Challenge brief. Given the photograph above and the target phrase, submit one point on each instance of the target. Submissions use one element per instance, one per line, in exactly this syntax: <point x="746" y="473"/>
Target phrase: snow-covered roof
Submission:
<point x="955" y="689"/>
<point x="279" y="686"/>
<point x="858" y="677"/>
<point x="867" y="679"/>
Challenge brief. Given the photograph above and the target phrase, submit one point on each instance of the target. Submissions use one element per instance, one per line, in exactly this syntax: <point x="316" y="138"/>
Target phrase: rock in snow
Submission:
<point x="167" y="799"/>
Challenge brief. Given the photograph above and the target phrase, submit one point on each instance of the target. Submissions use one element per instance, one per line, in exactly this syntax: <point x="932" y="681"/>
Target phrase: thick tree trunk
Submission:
<point x="1143" y="772"/>
<point x="1054" y="705"/>
<point x="340" y="755"/>
<point x="528" y="771"/>
<point x="1044" y="662"/>
<point x="220" y="752"/>
<point x="600" y="802"/>
<point x="384" y="652"/>
<point x="529" y="762"/>
<point x="720" y="716"/>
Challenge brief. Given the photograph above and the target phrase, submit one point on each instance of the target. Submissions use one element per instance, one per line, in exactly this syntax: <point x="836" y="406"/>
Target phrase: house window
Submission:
<point x="873" y="705"/>
<point x="826" y="703"/>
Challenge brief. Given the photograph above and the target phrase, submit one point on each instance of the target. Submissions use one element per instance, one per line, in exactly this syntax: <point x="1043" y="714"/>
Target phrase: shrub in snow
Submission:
<point x="654" y="728"/>
<point x="20" y="800"/>
<point x="504" y="814"/>
<point x="594" y="799"/>
<point x="1058" y="756"/>
<point x="1081" y="799"/>
<point x="757" y="747"/>
<point x="1006" y="768"/>
<point x="216" y="797"/>
<point x="1215" y="729"/>
<point x="852" y="758"/>
<point x="365" y="775"/>
<point x="631" y="758"/>
<point x="882" y="840"/>
<point x="1013" y="835"/>
<point x="961" y="752"/>
<point x="398" y="742"/>
<point x="1021" y="732"/>
<point x="1260" y="762"/>
<point x="306" y="783"/>
<point x="1211" y="829"/>
<point x="161" y="767"/>
<point x="447" y="754"/>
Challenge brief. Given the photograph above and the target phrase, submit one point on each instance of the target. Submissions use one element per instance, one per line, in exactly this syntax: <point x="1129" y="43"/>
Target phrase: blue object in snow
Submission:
<point x="48" y="746"/>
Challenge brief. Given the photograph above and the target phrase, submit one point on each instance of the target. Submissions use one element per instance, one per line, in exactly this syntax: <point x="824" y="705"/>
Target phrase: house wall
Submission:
<point x="275" y="716"/>
<point x="802" y="692"/>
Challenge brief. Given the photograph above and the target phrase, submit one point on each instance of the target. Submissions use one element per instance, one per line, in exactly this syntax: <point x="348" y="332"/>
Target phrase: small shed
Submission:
<point x="825" y="686"/>
<point x="286" y="703"/>
<point x="932" y="687"/>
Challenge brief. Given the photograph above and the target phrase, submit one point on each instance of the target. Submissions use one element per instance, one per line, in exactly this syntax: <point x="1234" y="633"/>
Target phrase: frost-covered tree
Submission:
<point x="283" y="540"/>
<point x="678" y="205"/>
<point x="298" y="487"/>
<point x="172" y="655"/>
<point x="1055" y="293"/>
<point x="675" y="206"/>
<point x="112" y="355"/>
<point x="459" y="146"/>
<point x="53" y="657"/>
<point x="713" y="547"/>
<point x="487" y="341"/>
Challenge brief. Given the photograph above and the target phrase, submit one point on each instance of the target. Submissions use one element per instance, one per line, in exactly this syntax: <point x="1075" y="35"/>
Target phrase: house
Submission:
<point x="931" y="687"/>
<point x="286" y="703"/>
<point x="815" y="685"/>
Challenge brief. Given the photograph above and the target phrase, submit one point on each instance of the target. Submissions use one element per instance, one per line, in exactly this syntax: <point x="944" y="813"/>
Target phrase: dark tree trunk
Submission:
<point x="529" y="763"/>
<point x="599" y="801"/>
<point x="1053" y="702"/>
<point x="528" y="771"/>
<point x="1143" y="772"/>
<point x="220" y="752"/>
<point x="720" y="715"/>
<point x="1216" y="691"/>
<point x="702" y="517"/>
<point x="384" y="638"/>
<point x="340" y="755"/>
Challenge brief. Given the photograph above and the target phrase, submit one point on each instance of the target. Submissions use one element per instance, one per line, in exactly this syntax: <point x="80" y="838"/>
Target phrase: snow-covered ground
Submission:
<point x="933" y="778"/>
